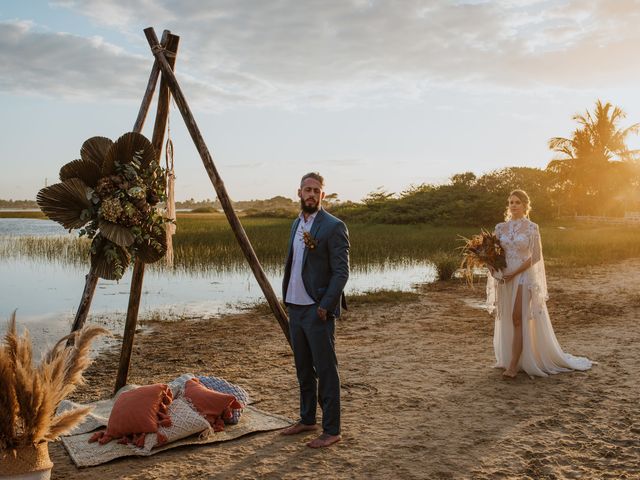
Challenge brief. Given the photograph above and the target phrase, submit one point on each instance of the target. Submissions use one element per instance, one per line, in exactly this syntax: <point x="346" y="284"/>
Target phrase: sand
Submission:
<point x="420" y="396"/>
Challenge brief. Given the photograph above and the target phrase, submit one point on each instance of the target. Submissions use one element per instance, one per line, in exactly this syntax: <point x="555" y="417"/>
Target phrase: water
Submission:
<point x="24" y="227"/>
<point x="46" y="294"/>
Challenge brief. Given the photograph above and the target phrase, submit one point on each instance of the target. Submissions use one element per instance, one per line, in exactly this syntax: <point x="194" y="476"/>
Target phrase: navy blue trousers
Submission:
<point x="313" y="342"/>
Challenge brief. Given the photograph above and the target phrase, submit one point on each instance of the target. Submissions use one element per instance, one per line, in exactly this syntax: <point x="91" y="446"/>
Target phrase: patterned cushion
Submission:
<point x="177" y="385"/>
<point x="185" y="421"/>
<point x="221" y="385"/>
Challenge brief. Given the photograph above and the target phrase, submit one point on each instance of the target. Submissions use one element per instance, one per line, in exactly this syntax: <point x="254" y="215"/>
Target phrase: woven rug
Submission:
<point x="85" y="454"/>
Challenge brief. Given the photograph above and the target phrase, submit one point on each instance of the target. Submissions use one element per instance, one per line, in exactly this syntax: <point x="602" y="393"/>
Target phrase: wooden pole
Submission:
<point x="91" y="279"/>
<point x="135" y="293"/>
<point x="90" y="283"/>
<point x="148" y="93"/>
<point x="218" y="185"/>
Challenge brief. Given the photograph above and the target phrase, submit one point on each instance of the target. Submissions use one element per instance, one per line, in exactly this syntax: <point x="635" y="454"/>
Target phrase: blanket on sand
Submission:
<point x="85" y="454"/>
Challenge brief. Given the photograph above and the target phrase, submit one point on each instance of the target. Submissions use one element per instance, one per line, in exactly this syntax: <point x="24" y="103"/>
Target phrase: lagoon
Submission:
<point x="46" y="291"/>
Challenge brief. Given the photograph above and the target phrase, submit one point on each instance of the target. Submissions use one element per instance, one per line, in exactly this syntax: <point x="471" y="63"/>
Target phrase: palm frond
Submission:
<point x="130" y="147"/>
<point x="95" y="150"/>
<point x="85" y="170"/>
<point x="154" y="248"/>
<point x="108" y="261"/>
<point x="66" y="203"/>
<point x="118" y="234"/>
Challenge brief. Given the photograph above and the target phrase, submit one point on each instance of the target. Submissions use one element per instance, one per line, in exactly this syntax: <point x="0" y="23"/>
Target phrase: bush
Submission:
<point x="446" y="264"/>
<point x="204" y="210"/>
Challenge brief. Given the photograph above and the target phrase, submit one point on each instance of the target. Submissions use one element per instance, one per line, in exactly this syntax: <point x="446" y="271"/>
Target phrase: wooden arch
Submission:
<point x="165" y="53"/>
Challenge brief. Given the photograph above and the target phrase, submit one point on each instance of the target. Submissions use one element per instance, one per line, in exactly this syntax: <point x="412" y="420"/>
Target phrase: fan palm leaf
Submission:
<point x="118" y="234"/>
<point x="85" y="170"/>
<point x="129" y="146"/>
<point x="95" y="150"/>
<point x="153" y="249"/>
<point x="108" y="261"/>
<point x="66" y="203"/>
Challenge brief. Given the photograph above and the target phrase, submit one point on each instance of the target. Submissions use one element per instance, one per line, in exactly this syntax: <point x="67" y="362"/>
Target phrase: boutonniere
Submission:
<point x="308" y="240"/>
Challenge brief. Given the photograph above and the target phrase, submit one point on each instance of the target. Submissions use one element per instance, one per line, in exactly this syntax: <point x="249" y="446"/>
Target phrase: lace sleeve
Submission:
<point x="538" y="275"/>
<point x="536" y="244"/>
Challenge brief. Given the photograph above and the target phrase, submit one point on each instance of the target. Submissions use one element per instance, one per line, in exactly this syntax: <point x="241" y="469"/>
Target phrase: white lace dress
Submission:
<point x="541" y="352"/>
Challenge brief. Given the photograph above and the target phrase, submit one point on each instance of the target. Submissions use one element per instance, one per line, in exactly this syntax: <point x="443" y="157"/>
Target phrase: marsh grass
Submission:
<point x="205" y="242"/>
<point x="446" y="264"/>
<point x="577" y="245"/>
<point x="50" y="249"/>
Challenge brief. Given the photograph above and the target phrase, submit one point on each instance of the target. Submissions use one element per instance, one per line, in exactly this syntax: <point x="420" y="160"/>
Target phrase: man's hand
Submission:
<point x="322" y="313"/>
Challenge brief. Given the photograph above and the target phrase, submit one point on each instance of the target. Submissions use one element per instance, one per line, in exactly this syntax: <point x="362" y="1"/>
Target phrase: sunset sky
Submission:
<point x="370" y="93"/>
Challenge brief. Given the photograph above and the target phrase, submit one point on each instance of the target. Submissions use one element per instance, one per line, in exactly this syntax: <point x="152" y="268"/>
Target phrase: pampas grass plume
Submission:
<point x="30" y="395"/>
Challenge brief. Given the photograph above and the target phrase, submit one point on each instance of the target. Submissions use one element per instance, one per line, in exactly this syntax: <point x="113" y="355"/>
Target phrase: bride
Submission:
<point x="523" y="338"/>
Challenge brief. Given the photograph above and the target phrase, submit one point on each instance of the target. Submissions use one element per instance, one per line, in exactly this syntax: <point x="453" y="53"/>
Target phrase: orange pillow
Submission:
<point x="137" y="412"/>
<point x="212" y="405"/>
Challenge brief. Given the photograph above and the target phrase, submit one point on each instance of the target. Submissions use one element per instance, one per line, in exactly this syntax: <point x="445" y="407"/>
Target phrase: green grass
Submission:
<point x="205" y="241"/>
<point x="577" y="245"/>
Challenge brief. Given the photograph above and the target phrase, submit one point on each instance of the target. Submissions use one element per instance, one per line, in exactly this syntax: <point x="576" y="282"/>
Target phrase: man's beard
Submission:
<point x="309" y="208"/>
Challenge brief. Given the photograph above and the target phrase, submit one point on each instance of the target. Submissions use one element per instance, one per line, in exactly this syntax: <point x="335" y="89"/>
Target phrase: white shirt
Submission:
<point x="296" y="293"/>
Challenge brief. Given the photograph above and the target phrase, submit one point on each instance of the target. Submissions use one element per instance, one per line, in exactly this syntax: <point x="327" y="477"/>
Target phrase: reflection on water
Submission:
<point x="46" y="293"/>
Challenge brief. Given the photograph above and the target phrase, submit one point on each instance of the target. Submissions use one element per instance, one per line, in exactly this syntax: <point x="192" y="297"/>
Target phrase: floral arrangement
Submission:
<point x="308" y="240"/>
<point x="482" y="250"/>
<point x="112" y="194"/>
<point x="30" y="395"/>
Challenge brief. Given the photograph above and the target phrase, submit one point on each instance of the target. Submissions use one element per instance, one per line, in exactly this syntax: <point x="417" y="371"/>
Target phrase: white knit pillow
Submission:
<point x="185" y="421"/>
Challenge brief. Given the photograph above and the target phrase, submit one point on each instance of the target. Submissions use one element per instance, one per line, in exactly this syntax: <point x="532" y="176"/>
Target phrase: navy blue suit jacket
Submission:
<point x="325" y="268"/>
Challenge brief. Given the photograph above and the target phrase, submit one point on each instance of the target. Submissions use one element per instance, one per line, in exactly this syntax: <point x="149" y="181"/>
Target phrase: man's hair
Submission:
<point x="315" y="176"/>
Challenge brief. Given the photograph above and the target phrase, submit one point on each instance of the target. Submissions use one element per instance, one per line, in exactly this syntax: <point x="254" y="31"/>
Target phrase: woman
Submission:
<point x="523" y="337"/>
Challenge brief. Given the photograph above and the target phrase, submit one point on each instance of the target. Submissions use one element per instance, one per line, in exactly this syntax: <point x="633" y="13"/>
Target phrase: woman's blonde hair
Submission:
<point x="524" y="198"/>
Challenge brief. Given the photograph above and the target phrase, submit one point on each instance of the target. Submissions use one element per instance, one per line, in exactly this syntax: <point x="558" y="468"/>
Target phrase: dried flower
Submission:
<point x="111" y="209"/>
<point x="482" y="250"/>
<point x="308" y="240"/>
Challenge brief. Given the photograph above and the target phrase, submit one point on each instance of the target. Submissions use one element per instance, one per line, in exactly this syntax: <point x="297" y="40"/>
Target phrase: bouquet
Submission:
<point x="483" y="250"/>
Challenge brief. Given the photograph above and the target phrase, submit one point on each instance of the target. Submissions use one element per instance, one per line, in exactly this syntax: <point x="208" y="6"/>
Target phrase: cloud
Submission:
<point x="65" y="65"/>
<point x="336" y="53"/>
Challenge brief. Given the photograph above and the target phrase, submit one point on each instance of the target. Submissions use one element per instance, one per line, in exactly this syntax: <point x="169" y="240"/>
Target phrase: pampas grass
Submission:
<point x="30" y="394"/>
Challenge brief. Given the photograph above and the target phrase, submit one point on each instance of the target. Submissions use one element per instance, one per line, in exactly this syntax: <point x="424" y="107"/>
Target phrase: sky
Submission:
<point x="372" y="94"/>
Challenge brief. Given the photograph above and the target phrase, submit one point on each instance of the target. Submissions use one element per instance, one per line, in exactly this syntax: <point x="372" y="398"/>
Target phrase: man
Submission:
<point x="315" y="274"/>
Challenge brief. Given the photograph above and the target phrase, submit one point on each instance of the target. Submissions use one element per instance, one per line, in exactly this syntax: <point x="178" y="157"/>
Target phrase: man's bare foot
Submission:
<point x="324" y="440"/>
<point x="298" y="428"/>
<point x="508" y="373"/>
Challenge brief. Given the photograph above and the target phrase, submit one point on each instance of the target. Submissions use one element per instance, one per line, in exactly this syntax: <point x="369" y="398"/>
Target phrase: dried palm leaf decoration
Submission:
<point x="112" y="193"/>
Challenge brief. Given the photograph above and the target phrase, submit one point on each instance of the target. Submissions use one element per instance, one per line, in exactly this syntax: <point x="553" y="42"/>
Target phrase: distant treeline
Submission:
<point x="595" y="173"/>
<point x="466" y="200"/>
<point x="18" y="204"/>
<point x="276" y="206"/>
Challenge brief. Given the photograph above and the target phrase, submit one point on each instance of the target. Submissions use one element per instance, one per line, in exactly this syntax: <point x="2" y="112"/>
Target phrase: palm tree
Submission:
<point x="594" y="161"/>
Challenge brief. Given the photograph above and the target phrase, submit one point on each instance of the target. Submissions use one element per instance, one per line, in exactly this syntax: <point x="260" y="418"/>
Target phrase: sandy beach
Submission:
<point x="420" y="397"/>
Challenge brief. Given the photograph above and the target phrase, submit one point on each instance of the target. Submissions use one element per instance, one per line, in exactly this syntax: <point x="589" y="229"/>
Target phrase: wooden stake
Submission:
<point x="162" y="112"/>
<point x="130" y="327"/>
<point x="91" y="279"/>
<point x="90" y="283"/>
<point x="218" y="185"/>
